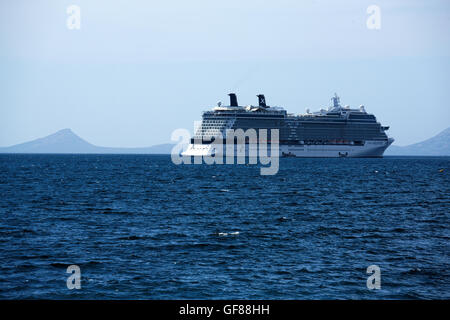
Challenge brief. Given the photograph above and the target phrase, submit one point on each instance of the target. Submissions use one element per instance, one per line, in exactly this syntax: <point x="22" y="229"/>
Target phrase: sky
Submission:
<point x="137" y="70"/>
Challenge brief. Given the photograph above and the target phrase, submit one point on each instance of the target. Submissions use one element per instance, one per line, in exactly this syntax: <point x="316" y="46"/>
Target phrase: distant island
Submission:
<point x="66" y="141"/>
<point x="439" y="145"/>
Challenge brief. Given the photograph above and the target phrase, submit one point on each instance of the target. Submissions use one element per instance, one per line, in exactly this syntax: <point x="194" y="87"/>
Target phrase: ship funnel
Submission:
<point x="233" y="100"/>
<point x="262" y="100"/>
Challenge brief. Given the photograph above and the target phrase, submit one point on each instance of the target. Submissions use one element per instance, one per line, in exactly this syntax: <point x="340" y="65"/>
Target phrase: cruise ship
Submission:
<point x="332" y="132"/>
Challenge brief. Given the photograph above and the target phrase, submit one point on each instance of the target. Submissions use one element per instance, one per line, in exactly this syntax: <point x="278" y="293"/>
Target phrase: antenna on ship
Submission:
<point x="261" y="101"/>
<point x="233" y="100"/>
<point x="336" y="101"/>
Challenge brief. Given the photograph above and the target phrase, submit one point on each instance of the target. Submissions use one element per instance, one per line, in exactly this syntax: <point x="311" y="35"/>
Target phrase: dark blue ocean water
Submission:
<point x="141" y="227"/>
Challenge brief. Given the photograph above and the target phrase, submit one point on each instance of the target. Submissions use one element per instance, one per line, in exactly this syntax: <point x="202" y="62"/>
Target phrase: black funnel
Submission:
<point x="262" y="100"/>
<point x="233" y="100"/>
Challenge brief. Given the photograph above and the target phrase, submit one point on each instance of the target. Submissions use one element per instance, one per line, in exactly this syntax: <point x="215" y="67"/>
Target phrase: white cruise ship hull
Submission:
<point x="370" y="149"/>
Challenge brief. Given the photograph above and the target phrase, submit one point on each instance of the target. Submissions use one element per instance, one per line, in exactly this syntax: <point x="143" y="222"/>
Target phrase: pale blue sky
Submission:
<point x="137" y="70"/>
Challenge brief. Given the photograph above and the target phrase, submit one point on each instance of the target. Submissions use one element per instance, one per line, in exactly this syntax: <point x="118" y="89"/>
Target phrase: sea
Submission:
<point x="141" y="227"/>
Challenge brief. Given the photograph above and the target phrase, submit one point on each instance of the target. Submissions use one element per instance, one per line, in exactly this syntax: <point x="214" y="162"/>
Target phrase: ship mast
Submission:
<point x="336" y="101"/>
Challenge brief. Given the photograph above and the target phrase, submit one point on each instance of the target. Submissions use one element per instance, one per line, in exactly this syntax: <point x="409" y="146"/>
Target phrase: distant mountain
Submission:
<point x="65" y="141"/>
<point x="438" y="145"/>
